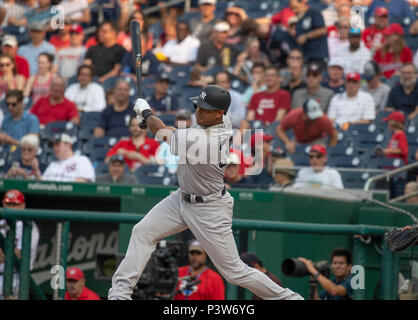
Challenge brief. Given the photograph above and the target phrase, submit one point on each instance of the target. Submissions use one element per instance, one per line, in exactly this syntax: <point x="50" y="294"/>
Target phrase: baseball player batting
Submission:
<point x="201" y="204"/>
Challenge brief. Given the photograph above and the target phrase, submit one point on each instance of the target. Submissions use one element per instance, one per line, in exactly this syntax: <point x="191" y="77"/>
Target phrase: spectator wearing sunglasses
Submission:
<point x="18" y="122"/>
<point x="318" y="176"/>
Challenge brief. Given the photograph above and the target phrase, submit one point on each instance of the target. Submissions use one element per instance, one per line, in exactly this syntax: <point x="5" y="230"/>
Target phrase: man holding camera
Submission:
<point x="339" y="288"/>
<point x="197" y="281"/>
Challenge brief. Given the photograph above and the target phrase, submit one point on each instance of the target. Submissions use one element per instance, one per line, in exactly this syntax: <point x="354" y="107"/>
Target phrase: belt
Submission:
<point x="188" y="197"/>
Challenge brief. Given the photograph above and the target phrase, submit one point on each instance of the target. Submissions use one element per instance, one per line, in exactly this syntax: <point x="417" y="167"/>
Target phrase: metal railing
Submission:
<point x="389" y="264"/>
<point x="187" y="4"/>
<point x="387" y="175"/>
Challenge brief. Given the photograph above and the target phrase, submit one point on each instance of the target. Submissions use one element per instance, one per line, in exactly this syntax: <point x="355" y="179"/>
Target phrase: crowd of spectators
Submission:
<point x="318" y="78"/>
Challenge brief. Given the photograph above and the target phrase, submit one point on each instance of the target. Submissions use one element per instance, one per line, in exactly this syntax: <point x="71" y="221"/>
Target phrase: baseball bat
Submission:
<point x="137" y="58"/>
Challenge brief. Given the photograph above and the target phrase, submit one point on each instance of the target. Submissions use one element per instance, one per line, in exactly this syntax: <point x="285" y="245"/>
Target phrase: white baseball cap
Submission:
<point x="336" y="62"/>
<point x="312" y="109"/>
<point x="212" y="2"/>
<point x="233" y="159"/>
<point x="9" y="40"/>
<point x="221" y="26"/>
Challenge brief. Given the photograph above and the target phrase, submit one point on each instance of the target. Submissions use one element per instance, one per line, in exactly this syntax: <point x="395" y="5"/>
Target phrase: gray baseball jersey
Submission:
<point x="203" y="153"/>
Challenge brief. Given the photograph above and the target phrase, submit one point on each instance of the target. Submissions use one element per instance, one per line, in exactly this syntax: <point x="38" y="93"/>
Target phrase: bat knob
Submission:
<point x="143" y="125"/>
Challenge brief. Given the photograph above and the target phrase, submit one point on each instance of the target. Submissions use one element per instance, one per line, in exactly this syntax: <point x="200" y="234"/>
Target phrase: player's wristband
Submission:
<point x="146" y="114"/>
<point x="315" y="276"/>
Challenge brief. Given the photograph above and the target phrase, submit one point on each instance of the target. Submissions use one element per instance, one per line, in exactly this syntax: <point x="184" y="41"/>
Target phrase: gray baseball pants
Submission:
<point x="210" y="223"/>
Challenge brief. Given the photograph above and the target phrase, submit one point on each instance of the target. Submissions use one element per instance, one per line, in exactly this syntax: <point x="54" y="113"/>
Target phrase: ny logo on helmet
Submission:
<point x="203" y="95"/>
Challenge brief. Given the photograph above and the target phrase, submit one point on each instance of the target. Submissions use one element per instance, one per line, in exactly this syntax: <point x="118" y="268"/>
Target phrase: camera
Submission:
<point x="292" y="267"/>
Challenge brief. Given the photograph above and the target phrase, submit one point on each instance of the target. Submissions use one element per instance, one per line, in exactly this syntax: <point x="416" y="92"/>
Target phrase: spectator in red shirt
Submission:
<point x="398" y="144"/>
<point x="269" y="105"/>
<point x="197" y="281"/>
<point x="55" y="107"/>
<point x="76" y="286"/>
<point x="373" y="36"/>
<point x="394" y="51"/>
<point x="62" y="39"/>
<point x="309" y="125"/>
<point x="9" y="46"/>
<point x="137" y="150"/>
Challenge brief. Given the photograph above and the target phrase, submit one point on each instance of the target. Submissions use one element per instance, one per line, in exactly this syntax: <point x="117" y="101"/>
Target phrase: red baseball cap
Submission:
<point x="394" y="28"/>
<point x="76" y="28"/>
<point x="266" y="138"/>
<point x="396" y="116"/>
<point x="381" y="12"/>
<point x="353" y="76"/>
<point x="319" y="148"/>
<point x="74" y="273"/>
<point x="14" y="196"/>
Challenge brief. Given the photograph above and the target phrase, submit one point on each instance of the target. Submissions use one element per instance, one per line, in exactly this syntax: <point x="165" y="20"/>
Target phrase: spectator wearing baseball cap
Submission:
<point x="233" y="177"/>
<point x="68" y="59"/>
<point x="68" y="167"/>
<point x="116" y="172"/>
<point x="75" y="282"/>
<point x="398" y="10"/>
<point x="235" y="16"/>
<point x="250" y="259"/>
<point x="161" y="101"/>
<point x="202" y="26"/>
<point x="404" y="96"/>
<point x="335" y="79"/>
<point x="318" y="175"/>
<point x="309" y="124"/>
<point x="373" y="36"/>
<point x="10" y="46"/>
<point x="313" y="89"/>
<point x="394" y="52"/>
<point x="15" y="200"/>
<point x="356" y="55"/>
<point x="215" y="51"/>
<point x="353" y="106"/>
<point x="374" y="85"/>
<point x="197" y="281"/>
<point x="398" y="143"/>
<point x="37" y="45"/>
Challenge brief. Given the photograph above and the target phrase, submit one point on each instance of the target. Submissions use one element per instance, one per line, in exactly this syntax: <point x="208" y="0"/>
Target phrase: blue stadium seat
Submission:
<point x="355" y="179"/>
<point x="104" y="143"/>
<point x="151" y="170"/>
<point x="54" y="127"/>
<point x="300" y="159"/>
<point x="341" y="150"/>
<point x="384" y="163"/>
<point x="152" y="180"/>
<point x="345" y="161"/>
<point x="101" y="167"/>
<point x="89" y="118"/>
<point x="380" y="115"/>
<point x="168" y="118"/>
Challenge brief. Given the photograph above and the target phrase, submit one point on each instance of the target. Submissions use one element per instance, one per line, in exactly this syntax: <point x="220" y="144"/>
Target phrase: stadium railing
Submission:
<point x="389" y="262"/>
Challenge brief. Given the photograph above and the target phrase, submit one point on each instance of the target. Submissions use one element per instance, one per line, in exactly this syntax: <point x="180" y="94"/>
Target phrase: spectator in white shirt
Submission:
<point x="318" y="176"/>
<point x="69" y="59"/>
<point x="87" y="95"/>
<point x="356" y="55"/>
<point x="237" y="109"/>
<point x="182" y="50"/>
<point x="340" y="40"/>
<point x="352" y="106"/>
<point x="69" y="167"/>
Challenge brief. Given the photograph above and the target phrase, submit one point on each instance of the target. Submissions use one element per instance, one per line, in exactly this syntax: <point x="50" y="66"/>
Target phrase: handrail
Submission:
<point x="264" y="225"/>
<point x="389" y="259"/>
<point x="388" y="174"/>
<point x="166" y="5"/>
<point x="403" y="197"/>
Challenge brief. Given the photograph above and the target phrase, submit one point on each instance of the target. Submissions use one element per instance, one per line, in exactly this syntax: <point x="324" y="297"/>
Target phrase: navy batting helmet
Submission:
<point x="212" y="98"/>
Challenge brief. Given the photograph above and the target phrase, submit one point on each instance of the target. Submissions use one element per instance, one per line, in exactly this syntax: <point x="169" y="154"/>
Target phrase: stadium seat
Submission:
<point x="345" y="161"/>
<point x="341" y="150"/>
<point x="380" y="115"/>
<point x="152" y="170"/>
<point x="384" y="163"/>
<point x="98" y="143"/>
<point x="300" y="159"/>
<point x="55" y="127"/>
<point x="89" y="118"/>
<point x="101" y="167"/>
<point x="168" y="118"/>
<point x="355" y="179"/>
<point x="153" y="180"/>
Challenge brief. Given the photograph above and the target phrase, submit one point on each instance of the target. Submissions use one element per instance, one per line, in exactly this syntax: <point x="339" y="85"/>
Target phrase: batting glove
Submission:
<point x="139" y="119"/>
<point x="140" y="106"/>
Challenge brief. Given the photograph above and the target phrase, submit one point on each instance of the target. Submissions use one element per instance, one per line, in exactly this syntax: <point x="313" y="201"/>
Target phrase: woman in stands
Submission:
<point x="27" y="165"/>
<point x="124" y="36"/>
<point x="394" y="52"/>
<point x="398" y="143"/>
<point x="235" y="16"/>
<point x="9" y="79"/>
<point x="39" y="83"/>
